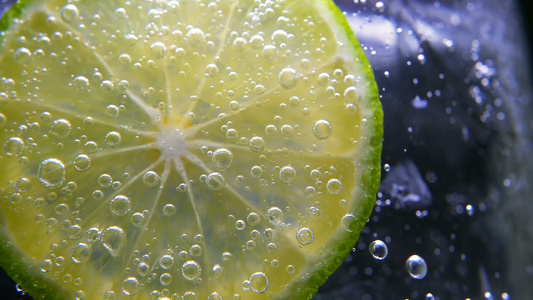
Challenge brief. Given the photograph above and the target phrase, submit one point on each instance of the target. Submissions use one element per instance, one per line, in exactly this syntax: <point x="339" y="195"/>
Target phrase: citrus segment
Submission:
<point x="195" y="149"/>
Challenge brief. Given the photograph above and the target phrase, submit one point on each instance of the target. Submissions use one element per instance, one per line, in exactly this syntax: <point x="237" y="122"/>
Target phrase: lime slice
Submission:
<point x="183" y="149"/>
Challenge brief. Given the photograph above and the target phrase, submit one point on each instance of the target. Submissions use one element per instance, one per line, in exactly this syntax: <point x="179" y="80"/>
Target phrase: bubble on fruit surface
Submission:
<point x="274" y="215"/>
<point x="259" y="282"/>
<point x="322" y="129"/>
<point x="334" y="186"/>
<point x="288" y="78"/>
<point x="416" y="267"/>
<point x="113" y="239"/>
<point x="222" y="159"/>
<point x="124" y="59"/>
<point x="105" y="180"/>
<point x="23" y="55"/>
<point x="166" y="261"/>
<point x="253" y="218"/>
<point x="196" y="37"/>
<point x="169" y="210"/>
<point x="113" y="139"/>
<point x="287" y="174"/>
<point x="80" y="83"/>
<point x="112" y="111"/>
<point x="143" y="268"/>
<point x="137" y="219"/>
<point x="51" y="172"/>
<point x="378" y="249"/>
<point x="14" y="146"/>
<point x="80" y="253"/>
<point x="69" y="13"/>
<point x="215" y="181"/>
<point x="130" y="286"/>
<point x="61" y="128"/>
<point x="158" y="49"/>
<point x="82" y="162"/>
<point x="191" y="270"/>
<point x="214" y="296"/>
<point x="350" y="223"/>
<point x="151" y="178"/>
<point x="257" y="144"/>
<point x="165" y="279"/>
<point x="120" y="205"/>
<point x="305" y="236"/>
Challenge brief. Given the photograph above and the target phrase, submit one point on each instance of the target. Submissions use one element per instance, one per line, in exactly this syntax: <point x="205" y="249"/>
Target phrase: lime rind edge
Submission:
<point x="343" y="243"/>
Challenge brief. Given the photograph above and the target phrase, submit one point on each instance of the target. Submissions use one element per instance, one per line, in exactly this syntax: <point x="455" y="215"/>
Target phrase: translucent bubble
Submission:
<point x="74" y="232"/>
<point x="166" y="261"/>
<point x="3" y="120"/>
<point x="51" y="172"/>
<point x="124" y="59"/>
<point x="215" y="181"/>
<point x="23" y="55"/>
<point x="69" y="13"/>
<point x="82" y="162"/>
<point x="270" y="52"/>
<point x="214" y="296"/>
<point x="256" y="172"/>
<point x="211" y="70"/>
<point x="80" y="83"/>
<point x="113" y="139"/>
<point x="189" y="296"/>
<point x="256" y="41"/>
<point x="191" y="270"/>
<point x="257" y="144"/>
<point x="290" y="269"/>
<point x="113" y="239"/>
<point x="112" y="111"/>
<point x="287" y="174"/>
<point x="151" y="178"/>
<point x="416" y="267"/>
<point x="222" y="159"/>
<point x="259" y="282"/>
<point x="105" y="180"/>
<point x="80" y="253"/>
<point x="279" y="36"/>
<point x="14" y="146"/>
<point x="351" y="94"/>
<point x="143" y="269"/>
<point x="350" y="224"/>
<point x="165" y="279"/>
<point x="274" y="215"/>
<point x="305" y="236"/>
<point x="46" y="265"/>
<point x="334" y="186"/>
<point x="169" y="210"/>
<point x="288" y="78"/>
<point x="137" y="219"/>
<point x="61" y="128"/>
<point x="107" y="86"/>
<point x="120" y="205"/>
<point x="378" y="249"/>
<point x="158" y="49"/>
<point x="93" y="235"/>
<point x="196" y="37"/>
<point x="240" y="224"/>
<point x="322" y="129"/>
<point x="196" y="250"/>
<point x="253" y="219"/>
<point x="130" y="286"/>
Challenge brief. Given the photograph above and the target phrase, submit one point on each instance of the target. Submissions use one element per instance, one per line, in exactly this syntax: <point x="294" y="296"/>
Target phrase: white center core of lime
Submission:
<point x="171" y="142"/>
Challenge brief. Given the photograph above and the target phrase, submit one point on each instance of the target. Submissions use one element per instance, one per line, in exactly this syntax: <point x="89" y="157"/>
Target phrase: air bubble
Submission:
<point x="270" y="52"/>
<point x="46" y="265"/>
<point x="416" y="267"/>
<point x="61" y="128"/>
<point x="130" y="286"/>
<point x="351" y="94"/>
<point x="112" y="111"/>
<point x="23" y="55"/>
<point x="14" y="146"/>
<point x="143" y="269"/>
<point x="334" y="186"/>
<point x="257" y="144"/>
<point x="287" y="174"/>
<point x="105" y="180"/>
<point x="240" y="225"/>
<point x="253" y="219"/>
<point x="158" y="49"/>
<point x="274" y="216"/>
<point x="82" y="163"/>
<point x="378" y="249"/>
<point x="259" y="282"/>
<point x="69" y="13"/>
<point x="222" y="159"/>
<point x="196" y="250"/>
<point x="215" y="181"/>
<point x="124" y="59"/>
<point x="113" y="139"/>
<point x="165" y="279"/>
<point x="151" y="178"/>
<point x="305" y="236"/>
<point x="288" y="78"/>
<point x="80" y="253"/>
<point x="322" y="129"/>
<point x="196" y="37"/>
<point x="211" y="70"/>
<point x="191" y="270"/>
<point x="120" y="205"/>
<point x="350" y="224"/>
<point x="51" y="172"/>
<point x="166" y="261"/>
<point x="113" y="239"/>
<point x="80" y="83"/>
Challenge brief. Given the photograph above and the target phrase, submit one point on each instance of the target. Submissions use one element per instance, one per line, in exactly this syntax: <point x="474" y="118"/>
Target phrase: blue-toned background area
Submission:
<point x="455" y="81"/>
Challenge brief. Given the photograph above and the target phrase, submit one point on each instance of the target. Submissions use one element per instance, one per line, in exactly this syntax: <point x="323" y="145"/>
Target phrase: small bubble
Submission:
<point x="46" y="265"/>
<point x="124" y="59"/>
<point x="61" y="128"/>
<point x="130" y="286"/>
<point x="169" y="210"/>
<point x="105" y="180"/>
<point x="93" y="235"/>
<point x="350" y="224"/>
<point x="334" y="186"/>
<point x="69" y="13"/>
<point x="112" y="111"/>
<point x="287" y="174"/>
<point x="253" y="219"/>
<point x="222" y="159"/>
<point x="80" y="253"/>
<point x="137" y="219"/>
<point x="51" y="172"/>
<point x="288" y="78"/>
<point x="23" y="55"/>
<point x="143" y="269"/>
<point x="259" y="282"/>
<point x="113" y="239"/>
<point x="80" y="83"/>
<point x="165" y="279"/>
<point x="270" y="52"/>
<point x="82" y="163"/>
<point x="113" y="139"/>
<point x="166" y="261"/>
<point x="290" y="269"/>
<point x="305" y="236"/>
<point x="257" y="144"/>
<point x="274" y="215"/>
<point x="378" y="249"/>
<point x="196" y="250"/>
<point x="240" y="225"/>
<point x="14" y="146"/>
<point x="386" y="167"/>
<point x="120" y="205"/>
<point x="215" y="181"/>
<point x="158" y="49"/>
<point x="416" y="267"/>
<point x="322" y="129"/>
<point x="196" y="37"/>
<point x="211" y="70"/>
<point x="151" y="178"/>
<point x="191" y="270"/>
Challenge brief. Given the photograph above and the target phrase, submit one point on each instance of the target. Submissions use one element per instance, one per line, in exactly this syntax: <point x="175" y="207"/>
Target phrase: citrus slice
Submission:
<point x="183" y="149"/>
